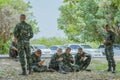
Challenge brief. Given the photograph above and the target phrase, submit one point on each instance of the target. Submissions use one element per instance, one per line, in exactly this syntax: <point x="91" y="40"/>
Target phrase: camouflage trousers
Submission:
<point x="60" y="66"/>
<point x="110" y="55"/>
<point x="24" y="53"/>
<point x="37" y="68"/>
<point x="56" y="66"/>
<point x="84" y="64"/>
<point x="70" y="68"/>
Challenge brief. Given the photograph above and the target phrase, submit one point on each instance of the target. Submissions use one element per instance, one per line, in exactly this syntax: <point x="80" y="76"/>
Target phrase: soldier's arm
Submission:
<point x="13" y="47"/>
<point x="82" y="56"/>
<point x="86" y="54"/>
<point x="64" y="58"/>
<point x="39" y="60"/>
<point x="34" y="61"/>
<point x="76" y="59"/>
<point x="53" y="59"/>
<point x="16" y="31"/>
<point x="112" y="37"/>
<point x="31" y="32"/>
<point x="71" y="59"/>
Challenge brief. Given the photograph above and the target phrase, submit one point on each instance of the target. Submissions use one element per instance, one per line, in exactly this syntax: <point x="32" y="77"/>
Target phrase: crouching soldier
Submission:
<point x="68" y="61"/>
<point x="37" y="63"/>
<point x="82" y="59"/>
<point x="56" y="62"/>
<point x="13" y="49"/>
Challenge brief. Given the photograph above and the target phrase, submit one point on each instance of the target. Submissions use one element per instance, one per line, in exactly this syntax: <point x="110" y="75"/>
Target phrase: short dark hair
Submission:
<point x="59" y="49"/>
<point x="80" y="49"/>
<point x="23" y="15"/>
<point x="107" y="25"/>
<point x="68" y="48"/>
<point x="38" y="51"/>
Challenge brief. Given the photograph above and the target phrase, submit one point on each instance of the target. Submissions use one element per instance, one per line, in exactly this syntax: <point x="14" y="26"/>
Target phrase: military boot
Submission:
<point x="114" y="69"/>
<point x="30" y="70"/>
<point x="109" y="67"/>
<point x="61" y="68"/>
<point x="23" y="72"/>
<point x="85" y="66"/>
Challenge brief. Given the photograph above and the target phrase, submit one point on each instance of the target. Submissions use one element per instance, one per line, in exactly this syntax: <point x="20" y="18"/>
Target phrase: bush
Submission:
<point x="59" y="41"/>
<point x="4" y="47"/>
<point x="51" y="41"/>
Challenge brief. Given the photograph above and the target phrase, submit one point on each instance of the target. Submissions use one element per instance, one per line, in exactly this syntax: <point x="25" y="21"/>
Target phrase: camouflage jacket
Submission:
<point x="78" y="57"/>
<point x="110" y="37"/>
<point x="67" y="59"/>
<point x="54" y="60"/>
<point x="35" y="59"/>
<point x="23" y="31"/>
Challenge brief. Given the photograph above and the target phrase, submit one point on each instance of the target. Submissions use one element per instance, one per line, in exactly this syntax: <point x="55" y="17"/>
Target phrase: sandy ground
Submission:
<point x="9" y="70"/>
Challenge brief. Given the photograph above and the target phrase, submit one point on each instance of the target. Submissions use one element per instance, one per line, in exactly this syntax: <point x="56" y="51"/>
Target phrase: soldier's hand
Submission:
<point x="82" y="58"/>
<point x="60" y="59"/>
<point x="104" y="42"/>
<point x="40" y="63"/>
<point x="43" y="61"/>
<point x="16" y="49"/>
<point x="71" y="59"/>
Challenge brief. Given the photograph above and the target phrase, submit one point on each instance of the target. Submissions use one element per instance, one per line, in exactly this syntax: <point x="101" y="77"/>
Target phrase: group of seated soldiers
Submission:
<point x="62" y="62"/>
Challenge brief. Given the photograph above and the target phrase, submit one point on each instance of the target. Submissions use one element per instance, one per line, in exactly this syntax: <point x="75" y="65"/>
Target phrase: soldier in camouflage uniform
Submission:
<point x="82" y="59"/>
<point x="23" y="32"/>
<point x="108" y="42"/>
<point x="37" y="63"/>
<point x="56" y="62"/>
<point x="13" y="49"/>
<point x="68" y="61"/>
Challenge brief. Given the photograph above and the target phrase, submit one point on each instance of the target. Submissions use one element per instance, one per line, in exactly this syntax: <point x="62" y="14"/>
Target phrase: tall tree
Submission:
<point x="84" y="20"/>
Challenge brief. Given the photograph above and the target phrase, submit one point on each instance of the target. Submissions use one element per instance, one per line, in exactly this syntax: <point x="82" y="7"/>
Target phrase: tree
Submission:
<point x="84" y="20"/>
<point x="116" y="3"/>
<point x="9" y="16"/>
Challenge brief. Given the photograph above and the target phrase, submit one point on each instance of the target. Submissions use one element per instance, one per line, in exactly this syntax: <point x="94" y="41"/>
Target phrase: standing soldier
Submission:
<point x="108" y="42"/>
<point x="56" y="62"/>
<point x="69" y="61"/>
<point x="23" y="32"/>
<point x="82" y="59"/>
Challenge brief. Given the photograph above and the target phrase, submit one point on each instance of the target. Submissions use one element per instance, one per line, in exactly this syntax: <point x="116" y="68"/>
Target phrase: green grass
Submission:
<point x="100" y="66"/>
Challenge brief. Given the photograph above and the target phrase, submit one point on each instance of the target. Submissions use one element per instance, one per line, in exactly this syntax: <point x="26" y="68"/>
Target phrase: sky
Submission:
<point x="46" y="12"/>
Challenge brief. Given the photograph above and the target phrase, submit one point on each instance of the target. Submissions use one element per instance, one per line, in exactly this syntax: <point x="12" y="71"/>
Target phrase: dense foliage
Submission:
<point x="85" y="20"/>
<point x="9" y="16"/>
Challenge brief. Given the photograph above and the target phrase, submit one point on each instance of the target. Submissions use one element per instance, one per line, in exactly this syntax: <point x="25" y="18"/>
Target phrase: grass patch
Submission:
<point x="98" y="65"/>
